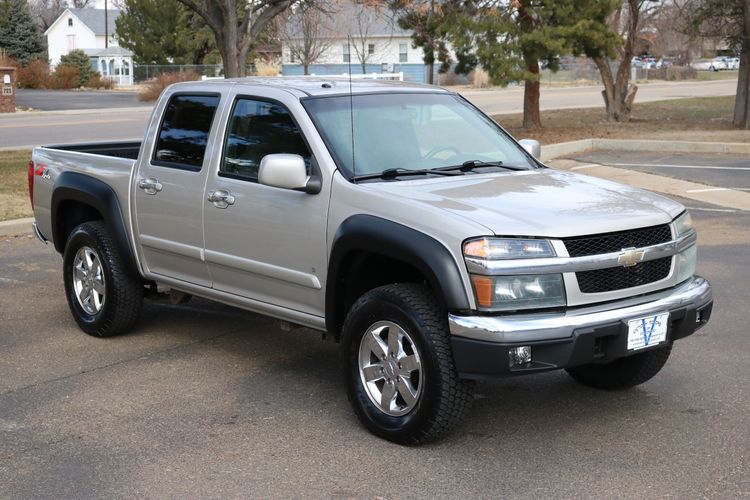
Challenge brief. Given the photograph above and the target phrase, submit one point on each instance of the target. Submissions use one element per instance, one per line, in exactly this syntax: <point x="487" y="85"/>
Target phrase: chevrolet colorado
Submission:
<point x="398" y="218"/>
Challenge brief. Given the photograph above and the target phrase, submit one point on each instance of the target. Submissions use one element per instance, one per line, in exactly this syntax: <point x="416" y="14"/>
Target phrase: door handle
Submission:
<point x="221" y="198"/>
<point x="150" y="185"/>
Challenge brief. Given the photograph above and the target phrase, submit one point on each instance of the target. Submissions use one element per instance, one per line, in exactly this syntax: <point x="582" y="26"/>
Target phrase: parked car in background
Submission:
<point x="715" y="64"/>
<point x="733" y="63"/>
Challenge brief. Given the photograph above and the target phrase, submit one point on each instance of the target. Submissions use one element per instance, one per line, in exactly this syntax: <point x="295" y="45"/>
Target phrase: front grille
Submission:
<point x="614" y="242"/>
<point x="617" y="278"/>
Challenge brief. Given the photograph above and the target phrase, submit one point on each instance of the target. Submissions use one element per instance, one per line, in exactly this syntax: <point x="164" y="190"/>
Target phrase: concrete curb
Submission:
<point x="552" y="151"/>
<point x="127" y="109"/>
<point x="16" y="227"/>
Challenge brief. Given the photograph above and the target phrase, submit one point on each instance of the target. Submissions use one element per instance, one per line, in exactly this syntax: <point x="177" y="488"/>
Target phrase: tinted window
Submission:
<point x="257" y="129"/>
<point x="184" y="131"/>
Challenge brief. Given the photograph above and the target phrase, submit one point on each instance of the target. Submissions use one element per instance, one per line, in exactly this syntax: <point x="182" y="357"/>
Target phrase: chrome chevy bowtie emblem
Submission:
<point x="630" y="257"/>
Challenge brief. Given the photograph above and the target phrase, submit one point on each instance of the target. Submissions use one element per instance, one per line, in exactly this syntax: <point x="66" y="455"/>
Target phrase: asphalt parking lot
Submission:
<point x="204" y="400"/>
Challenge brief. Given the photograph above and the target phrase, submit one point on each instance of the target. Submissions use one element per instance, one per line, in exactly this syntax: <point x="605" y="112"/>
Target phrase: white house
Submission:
<point x="357" y="32"/>
<point x="85" y="29"/>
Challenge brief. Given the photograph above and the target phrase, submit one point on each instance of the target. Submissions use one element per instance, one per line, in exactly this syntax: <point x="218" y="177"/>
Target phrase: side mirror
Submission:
<point x="287" y="171"/>
<point x="532" y="147"/>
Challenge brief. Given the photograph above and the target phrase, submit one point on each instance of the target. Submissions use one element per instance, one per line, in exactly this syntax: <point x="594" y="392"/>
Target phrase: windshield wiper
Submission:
<point x="470" y="165"/>
<point x="392" y="173"/>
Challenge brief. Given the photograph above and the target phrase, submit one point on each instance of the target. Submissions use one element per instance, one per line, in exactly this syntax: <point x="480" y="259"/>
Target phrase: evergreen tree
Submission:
<point x="81" y="62"/>
<point x="513" y="40"/>
<point x="19" y="34"/>
<point x="162" y="32"/>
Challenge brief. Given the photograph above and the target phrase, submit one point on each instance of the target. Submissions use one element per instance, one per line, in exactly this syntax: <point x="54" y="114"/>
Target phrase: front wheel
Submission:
<point x="623" y="373"/>
<point x="398" y="365"/>
<point x="103" y="297"/>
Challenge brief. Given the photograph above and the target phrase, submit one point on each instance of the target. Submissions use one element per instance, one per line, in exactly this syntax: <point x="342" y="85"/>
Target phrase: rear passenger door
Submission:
<point x="169" y="186"/>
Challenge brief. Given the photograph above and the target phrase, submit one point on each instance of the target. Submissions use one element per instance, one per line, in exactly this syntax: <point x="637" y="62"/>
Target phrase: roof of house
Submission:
<point x="94" y="19"/>
<point x="355" y="19"/>
<point x="111" y="51"/>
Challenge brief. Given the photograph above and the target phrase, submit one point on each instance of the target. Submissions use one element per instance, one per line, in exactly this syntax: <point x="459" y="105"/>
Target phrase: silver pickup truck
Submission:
<point x="397" y="218"/>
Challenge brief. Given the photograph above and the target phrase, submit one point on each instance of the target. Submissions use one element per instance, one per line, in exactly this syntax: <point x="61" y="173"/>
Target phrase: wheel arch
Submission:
<point x="79" y="198"/>
<point x="377" y="252"/>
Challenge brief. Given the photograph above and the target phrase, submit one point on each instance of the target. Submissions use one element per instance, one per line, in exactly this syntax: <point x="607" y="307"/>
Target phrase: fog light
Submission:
<point x="519" y="355"/>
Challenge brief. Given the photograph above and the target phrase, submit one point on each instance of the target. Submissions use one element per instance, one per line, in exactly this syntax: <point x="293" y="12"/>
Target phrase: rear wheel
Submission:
<point x="623" y="373"/>
<point x="398" y="365"/>
<point x="104" y="299"/>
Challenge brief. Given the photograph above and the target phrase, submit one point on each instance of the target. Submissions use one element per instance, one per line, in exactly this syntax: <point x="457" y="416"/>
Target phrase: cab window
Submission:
<point x="184" y="131"/>
<point x="258" y="128"/>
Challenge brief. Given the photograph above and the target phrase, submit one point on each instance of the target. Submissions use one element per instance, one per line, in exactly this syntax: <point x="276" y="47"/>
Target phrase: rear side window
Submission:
<point x="184" y="131"/>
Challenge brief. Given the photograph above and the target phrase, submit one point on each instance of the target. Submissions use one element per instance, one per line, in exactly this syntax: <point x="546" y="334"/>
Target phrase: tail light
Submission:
<point x="31" y="182"/>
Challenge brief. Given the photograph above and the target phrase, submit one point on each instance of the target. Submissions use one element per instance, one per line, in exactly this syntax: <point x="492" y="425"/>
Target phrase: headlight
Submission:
<point x="683" y="224"/>
<point x="508" y="293"/>
<point x="686" y="263"/>
<point x="498" y="248"/>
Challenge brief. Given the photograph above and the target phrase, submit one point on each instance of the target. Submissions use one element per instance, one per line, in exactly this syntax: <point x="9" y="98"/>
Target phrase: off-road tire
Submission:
<point x="622" y="373"/>
<point x="124" y="291"/>
<point x="444" y="400"/>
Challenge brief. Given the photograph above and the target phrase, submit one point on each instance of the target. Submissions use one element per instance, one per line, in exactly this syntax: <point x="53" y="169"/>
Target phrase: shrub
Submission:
<point x="267" y="68"/>
<point x="65" y="77"/>
<point x="97" y="82"/>
<point x="479" y="78"/>
<point x="673" y="73"/>
<point x="153" y="88"/>
<point x="79" y="60"/>
<point x="35" y="75"/>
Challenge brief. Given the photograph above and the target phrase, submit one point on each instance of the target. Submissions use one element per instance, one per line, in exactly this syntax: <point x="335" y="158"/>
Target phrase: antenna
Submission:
<point x="351" y="99"/>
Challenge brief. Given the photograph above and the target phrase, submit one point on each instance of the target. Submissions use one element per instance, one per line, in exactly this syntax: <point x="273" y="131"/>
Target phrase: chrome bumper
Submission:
<point x="693" y="294"/>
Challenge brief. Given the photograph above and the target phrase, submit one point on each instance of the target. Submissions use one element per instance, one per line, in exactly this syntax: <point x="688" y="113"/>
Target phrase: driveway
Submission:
<point x="204" y="400"/>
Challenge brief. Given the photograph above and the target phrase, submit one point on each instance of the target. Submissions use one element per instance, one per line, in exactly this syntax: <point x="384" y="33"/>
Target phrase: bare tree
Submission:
<point x="46" y="12"/>
<point x="618" y="92"/>
<point x="307" y="31"/>
<point x="367" y="15"/>
<point x="729" y="20"/>
<point x="237" y="25"/>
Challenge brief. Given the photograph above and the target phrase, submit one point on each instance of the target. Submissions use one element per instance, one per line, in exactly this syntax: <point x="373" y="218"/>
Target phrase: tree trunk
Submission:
<point x="431" y="73"/>
<point x="306" y="67"/>
<point x="742" y="100"/>
<point x="531" y="117"/>
<point x="609" y="85"/>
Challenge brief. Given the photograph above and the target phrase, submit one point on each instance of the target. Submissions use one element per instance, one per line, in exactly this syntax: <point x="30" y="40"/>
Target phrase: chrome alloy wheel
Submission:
<point x="88" y="280"/>
<point x="390" y="368"/>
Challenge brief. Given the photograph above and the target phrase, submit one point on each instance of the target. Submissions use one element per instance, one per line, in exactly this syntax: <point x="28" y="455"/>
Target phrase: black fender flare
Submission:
<point x="73" y="186"/>
<point x="391" y="239"/>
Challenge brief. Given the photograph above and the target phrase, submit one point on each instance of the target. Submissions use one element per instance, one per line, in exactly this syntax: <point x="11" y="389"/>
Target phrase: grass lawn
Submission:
<point x="14" y="191"/>
<point x="697" y="119"/>
<point x="716" y="75"/>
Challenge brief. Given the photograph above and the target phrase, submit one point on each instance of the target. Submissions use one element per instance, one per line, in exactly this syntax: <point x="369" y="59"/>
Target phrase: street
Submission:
<point x="29" y="129"/>
<point x="206" y="400"/>
<point x="56" y="100"/>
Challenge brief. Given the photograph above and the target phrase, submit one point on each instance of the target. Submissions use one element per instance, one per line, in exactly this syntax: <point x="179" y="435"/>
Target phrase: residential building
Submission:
<point x="359" y="37"/>
<point x="85" y="29"/>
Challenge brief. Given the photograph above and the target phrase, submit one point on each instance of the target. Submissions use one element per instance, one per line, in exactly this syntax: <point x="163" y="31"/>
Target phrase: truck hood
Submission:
<point x="543" y="202"/>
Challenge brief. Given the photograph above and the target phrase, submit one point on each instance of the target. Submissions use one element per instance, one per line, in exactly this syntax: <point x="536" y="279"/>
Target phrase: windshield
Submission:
<point x="409" y="132"/>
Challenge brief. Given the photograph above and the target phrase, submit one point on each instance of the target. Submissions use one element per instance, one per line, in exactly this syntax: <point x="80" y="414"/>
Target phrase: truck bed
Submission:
<point x="110" y="162"/>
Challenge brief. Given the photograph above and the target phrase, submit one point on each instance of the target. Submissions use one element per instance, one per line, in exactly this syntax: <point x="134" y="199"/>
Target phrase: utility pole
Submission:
<point x="106" y="26"/>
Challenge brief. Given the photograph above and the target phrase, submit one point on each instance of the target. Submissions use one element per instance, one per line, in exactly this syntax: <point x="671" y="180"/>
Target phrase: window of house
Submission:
<point x="256" y="129"/>
<point x="70" y="21"/>
<point x="371" y="49"/>
<point x="347" y="54"/>
<point x="402" y="52"/>
<point x="184" y="131"/>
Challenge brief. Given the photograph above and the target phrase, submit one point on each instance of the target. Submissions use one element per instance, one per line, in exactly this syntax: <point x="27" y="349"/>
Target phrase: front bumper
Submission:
<point x="576" y="337"/>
